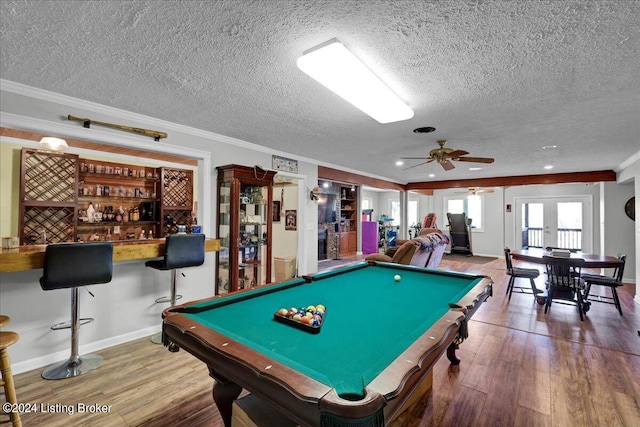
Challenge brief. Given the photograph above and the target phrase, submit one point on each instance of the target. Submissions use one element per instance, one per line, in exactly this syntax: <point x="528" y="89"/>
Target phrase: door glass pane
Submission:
<point x="570" y="225"/>
<point x="533" y="225"/>
<point x="224" y="211"/>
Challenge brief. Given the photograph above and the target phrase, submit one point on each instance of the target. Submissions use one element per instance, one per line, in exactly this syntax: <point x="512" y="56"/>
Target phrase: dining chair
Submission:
<point x="565" y="283"/>
<point x="520" y="273"/>
<point x="612" y="282"/>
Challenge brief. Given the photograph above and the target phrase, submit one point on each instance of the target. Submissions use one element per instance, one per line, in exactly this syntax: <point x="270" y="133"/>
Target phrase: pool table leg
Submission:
<point x="451" y="354"/>
<point x="224" y="393"/>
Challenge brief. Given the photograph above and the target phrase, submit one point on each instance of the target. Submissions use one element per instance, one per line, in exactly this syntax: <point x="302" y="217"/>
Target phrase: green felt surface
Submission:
<point x="370" y="320"/>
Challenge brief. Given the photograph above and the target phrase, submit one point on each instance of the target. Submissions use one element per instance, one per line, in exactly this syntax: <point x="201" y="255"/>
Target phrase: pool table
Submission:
<point x="379" y="338"/>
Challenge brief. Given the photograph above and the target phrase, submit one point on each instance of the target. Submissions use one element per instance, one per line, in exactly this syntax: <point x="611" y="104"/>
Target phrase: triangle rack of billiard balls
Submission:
<point x="308" y="319"/>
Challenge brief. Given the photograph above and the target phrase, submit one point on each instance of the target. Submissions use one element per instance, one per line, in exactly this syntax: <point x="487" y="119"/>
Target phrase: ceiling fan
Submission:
<point x="475" y="190"/>
<point x="445" y="155"/>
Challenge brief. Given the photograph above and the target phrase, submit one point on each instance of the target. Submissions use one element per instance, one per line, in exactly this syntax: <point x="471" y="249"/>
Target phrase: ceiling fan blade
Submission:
<point x="474" y="159"/>
<point x="419" y="164"/>
<point x="485" y="191"/>
<point x="457" y="153"/>
<point x="447" y="165"/>
<point x="416" y="158"/>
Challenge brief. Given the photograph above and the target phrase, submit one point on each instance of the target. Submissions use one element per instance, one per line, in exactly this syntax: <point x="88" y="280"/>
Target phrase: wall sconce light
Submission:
<point x="52" y="143"/>
<point x="313" y="194"/>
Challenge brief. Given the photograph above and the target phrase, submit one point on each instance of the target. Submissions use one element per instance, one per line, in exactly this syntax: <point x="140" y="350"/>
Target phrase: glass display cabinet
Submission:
<point x="245" y="206"/>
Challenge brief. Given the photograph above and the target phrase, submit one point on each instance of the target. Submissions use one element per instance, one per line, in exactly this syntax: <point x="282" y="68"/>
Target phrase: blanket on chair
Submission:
<point x="427" y="243"/>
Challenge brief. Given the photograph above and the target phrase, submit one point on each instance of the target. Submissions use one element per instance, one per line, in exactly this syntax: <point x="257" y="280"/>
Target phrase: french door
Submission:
<point x="560" y="222"/>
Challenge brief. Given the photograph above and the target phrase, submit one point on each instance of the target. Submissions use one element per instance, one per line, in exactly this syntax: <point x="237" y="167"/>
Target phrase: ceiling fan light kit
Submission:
<point x="335" y="67"/>
<point x="444" y="156"/>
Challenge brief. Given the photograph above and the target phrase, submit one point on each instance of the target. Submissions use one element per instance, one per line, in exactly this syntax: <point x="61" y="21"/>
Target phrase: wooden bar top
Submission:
<point x="32" y="256"/>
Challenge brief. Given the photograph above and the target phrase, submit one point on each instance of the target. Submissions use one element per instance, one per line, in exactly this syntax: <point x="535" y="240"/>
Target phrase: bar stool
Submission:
<point x="6" y="339"/>
<point x="71" y="265"/>
<point x="180" y="251"/>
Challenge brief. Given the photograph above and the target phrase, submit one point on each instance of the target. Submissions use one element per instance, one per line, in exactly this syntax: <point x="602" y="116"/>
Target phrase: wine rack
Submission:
<point x="47" y="197"/>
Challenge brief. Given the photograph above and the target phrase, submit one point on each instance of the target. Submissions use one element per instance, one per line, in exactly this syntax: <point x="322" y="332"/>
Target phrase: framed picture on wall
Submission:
<point x="291" y="218"/>
<point x="275" y="214"/>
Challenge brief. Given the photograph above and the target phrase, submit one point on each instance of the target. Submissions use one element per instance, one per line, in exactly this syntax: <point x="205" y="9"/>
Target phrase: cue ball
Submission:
<point x="397" y="277"/>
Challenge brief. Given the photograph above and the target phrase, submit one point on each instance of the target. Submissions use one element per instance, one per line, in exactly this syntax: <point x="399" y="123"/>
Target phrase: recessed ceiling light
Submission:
<point x="475" y="169"/>
<point x="431" y="175"/>
<point x="548" y="167"/>
<point x="399" y="163"/>
<point x="325" y="184"/>
<point x="549" y="147"/>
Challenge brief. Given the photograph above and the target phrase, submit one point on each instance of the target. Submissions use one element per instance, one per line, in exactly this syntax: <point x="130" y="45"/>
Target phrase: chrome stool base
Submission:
<point x="69" y="323"/>
<point x="72" y="367"/>
<point x="156" y="338"/>
<point x="164" y="300"/>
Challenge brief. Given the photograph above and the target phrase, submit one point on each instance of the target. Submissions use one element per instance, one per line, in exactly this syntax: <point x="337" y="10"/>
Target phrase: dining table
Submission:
<point x="535" y="255"/>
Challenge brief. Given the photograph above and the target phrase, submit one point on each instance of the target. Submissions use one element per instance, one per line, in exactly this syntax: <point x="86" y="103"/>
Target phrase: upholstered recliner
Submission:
<point x="426" y="250"/>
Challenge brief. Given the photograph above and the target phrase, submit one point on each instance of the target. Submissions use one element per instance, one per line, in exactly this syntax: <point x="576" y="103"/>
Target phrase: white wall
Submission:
<point x="630" y="173"/>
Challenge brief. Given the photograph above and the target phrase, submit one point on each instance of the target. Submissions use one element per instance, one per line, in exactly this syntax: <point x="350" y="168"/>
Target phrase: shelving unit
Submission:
<point x="176" y="199"/>
<point x="348" y="234"/>
<point x="245" y="197"/>
<point x="56" y="190"/>
<point x="110" y="186"/>
<point x="47" y="197"/>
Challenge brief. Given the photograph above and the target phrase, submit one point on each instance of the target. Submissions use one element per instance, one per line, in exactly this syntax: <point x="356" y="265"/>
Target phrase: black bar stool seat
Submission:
<point x="180" y="251"/>
<point x="71" y="265"/>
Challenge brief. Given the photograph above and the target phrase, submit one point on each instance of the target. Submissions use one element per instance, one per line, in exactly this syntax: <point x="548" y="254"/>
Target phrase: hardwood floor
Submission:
<point x="519" y="367"/>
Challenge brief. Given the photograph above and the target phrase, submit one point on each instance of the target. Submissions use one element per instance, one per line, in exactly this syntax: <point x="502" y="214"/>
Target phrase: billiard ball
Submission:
<point x="283" y="312"/>
<point x="397" y="277"/>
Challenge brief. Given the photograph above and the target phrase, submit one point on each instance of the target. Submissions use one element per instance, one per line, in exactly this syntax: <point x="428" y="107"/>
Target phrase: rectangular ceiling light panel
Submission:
<point x="340" y="71"/>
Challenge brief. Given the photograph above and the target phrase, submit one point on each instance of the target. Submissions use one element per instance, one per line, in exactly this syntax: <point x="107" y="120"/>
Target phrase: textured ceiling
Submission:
<point x="498" y="79"/>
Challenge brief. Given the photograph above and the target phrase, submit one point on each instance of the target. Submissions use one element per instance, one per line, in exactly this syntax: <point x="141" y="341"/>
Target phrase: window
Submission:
<point x="412" y="214"/>
<point x="395" y="212"/>
<point x="473" y="206"/>
<point x="367" y="203"/>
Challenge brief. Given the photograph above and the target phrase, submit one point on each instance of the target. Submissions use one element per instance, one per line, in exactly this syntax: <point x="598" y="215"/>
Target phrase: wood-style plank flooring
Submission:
<point x="519" y="367"/>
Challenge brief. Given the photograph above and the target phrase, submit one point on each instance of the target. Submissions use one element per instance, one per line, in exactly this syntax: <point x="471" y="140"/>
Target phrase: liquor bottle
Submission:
<point x="142" y="235"/>
<point x="91" y="212"/>
<point x="150" y="234"/>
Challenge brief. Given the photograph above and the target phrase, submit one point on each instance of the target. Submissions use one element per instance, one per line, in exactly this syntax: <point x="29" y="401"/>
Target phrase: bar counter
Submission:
<point x="32" y="257"/>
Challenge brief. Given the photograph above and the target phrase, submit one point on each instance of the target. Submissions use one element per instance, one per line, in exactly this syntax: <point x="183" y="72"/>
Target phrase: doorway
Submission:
<point x="288" y="208"/>
<point x="558" y="222"/>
